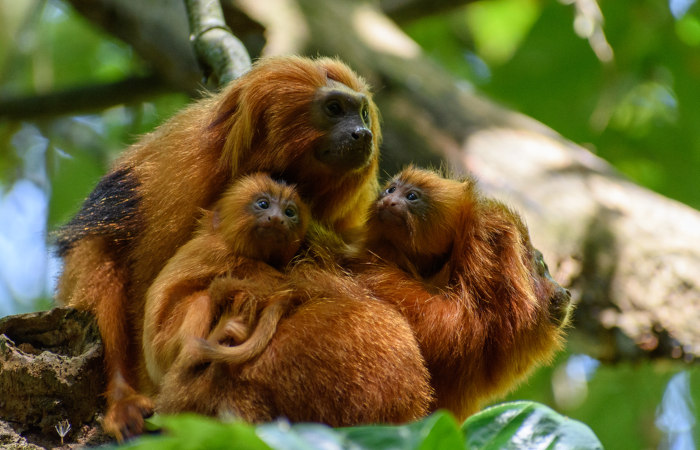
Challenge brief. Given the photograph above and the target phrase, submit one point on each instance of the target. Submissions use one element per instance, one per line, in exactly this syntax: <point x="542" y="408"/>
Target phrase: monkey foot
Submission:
<point x="124" y="418"/>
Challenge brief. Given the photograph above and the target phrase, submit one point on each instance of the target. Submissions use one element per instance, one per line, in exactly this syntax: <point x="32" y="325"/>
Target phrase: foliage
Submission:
<point x="638" y="110"/>
<point x="510" y="425"/>
<point x="622" y="403"/>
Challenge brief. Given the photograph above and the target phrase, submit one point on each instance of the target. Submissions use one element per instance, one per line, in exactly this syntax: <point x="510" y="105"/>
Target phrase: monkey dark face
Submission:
<point x="343" y="114"/>
<point x="559" y="298"/>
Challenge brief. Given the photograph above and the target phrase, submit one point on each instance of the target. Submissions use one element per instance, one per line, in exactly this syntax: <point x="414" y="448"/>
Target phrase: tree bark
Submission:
<point x="215" y="45"/>
<point x="51" y="375"/>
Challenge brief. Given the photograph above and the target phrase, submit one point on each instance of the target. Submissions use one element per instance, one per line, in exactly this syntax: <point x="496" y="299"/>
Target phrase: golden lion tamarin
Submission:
<point x="341" y="357"/>
<point x="252" y="233"/>
<point x="463" y="272"/>
<point x="309" y="122"/>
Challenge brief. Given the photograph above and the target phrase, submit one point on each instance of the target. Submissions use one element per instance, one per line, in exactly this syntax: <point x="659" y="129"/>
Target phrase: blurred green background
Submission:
<point x="622" y="80"/>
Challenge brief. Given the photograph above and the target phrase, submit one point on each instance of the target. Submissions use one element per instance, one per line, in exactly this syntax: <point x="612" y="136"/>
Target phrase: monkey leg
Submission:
<point x="94" y="280"/>
<point x="125" y="407"/>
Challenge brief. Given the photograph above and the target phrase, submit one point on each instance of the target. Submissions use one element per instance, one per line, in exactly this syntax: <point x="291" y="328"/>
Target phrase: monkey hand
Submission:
<point x="232" y="331"/>
<point x="127" y="409"/>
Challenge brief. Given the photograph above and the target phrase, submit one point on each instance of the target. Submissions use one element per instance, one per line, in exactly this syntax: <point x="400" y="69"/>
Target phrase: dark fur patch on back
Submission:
<point x="111" y="210"/>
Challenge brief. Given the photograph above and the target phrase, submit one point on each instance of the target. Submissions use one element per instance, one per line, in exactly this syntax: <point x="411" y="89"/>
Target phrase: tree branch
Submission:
<point x="82" y="99"/>
<point x="216" y="46"/>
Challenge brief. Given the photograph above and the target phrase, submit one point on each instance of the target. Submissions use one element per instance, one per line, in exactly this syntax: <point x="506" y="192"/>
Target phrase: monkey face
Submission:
<point x="343" y="114"/>
<point x="276" y="218"/>
<point x="546" y="288"/>
<point x="398" y="207"/>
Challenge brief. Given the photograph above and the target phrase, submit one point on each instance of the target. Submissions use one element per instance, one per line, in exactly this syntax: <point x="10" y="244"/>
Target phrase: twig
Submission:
<point x="214" y="43"/>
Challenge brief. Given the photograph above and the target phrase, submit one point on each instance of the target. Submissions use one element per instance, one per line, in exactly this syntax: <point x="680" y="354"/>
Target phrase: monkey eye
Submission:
<point x="334" y="108"/>
<point x="263" y="204"/>
<point x="541" y="266"/>
<point x="290" y="212"/>
<point x="391" y="190"/>
<point x="365" y="115"/>
<point x="412" y="196"/>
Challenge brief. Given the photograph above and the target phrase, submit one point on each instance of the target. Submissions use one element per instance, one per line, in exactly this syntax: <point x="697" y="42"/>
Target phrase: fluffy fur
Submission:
<point x="341" y="358"/>
<point x="463" y="272"/>
<point x="239" y="240"/>
<point x="272" y="120"/>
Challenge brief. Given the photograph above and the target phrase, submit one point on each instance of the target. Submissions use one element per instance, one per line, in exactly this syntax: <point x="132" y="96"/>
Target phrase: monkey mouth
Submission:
<point x="273" y="232"/>
<point x="560" y="306"/>
<point x="389" y="216"/>
<point x="346" y="155"/>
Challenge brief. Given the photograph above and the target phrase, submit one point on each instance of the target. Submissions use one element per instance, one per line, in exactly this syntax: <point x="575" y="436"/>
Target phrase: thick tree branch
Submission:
<point x="82" y="99"/>
<point x="216" y="47"/>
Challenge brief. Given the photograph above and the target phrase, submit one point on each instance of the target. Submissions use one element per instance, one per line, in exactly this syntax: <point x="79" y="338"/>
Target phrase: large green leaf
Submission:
<point x="508" y="426"/>
<point x="526" y="425"/>
<point x="191" y="431"/>
<point x="438" y="431"/>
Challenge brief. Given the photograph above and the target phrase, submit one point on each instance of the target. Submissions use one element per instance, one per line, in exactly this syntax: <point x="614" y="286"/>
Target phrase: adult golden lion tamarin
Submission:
<point x="309" y="122"/>
<point x="251" y="235"/>
<point x="463" y="272"/>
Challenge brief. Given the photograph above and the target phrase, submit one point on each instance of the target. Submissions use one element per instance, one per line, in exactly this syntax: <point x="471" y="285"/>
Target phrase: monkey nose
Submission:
<point x="361" y="134"/>
<point x="274" y="219"/>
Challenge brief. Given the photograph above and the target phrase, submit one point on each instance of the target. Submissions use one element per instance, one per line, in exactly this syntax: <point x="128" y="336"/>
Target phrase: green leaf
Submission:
<point x="437" y="431"/>
<point x="508" y="426"/>
<point x="302" y="436"/>
<point x="526" y="425"/>
<point x="191" y="431"/>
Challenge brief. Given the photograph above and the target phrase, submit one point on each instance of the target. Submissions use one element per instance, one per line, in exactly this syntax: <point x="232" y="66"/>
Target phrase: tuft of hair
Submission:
<point x="111" y="210"/>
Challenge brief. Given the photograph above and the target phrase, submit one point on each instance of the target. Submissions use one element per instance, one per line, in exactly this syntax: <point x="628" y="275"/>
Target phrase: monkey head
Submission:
<point x="417" y="212"/>
<point x="344" y="115"/>
<point x="318" y="115"/>
<point x="262" y="219"/>
<point x="521" y="266"/>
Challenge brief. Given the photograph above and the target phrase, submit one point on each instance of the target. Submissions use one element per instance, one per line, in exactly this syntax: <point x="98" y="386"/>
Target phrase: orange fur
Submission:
<point x="341" y="358"/>
<point x="463" y="272"/>
<point x="241" y="241"/>
<point x="146" y="207"/>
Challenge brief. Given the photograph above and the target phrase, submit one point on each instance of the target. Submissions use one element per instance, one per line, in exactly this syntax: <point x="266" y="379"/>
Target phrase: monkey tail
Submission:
<point x="254" y="345"/>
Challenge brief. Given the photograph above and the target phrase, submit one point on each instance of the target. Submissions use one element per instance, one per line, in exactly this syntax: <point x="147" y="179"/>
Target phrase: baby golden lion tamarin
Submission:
<point x="463" y="272"/>
<point x="247" y="240"/>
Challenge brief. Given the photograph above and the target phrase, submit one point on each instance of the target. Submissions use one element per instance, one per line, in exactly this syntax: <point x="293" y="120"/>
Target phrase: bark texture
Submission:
<point x="50" y="375"/>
